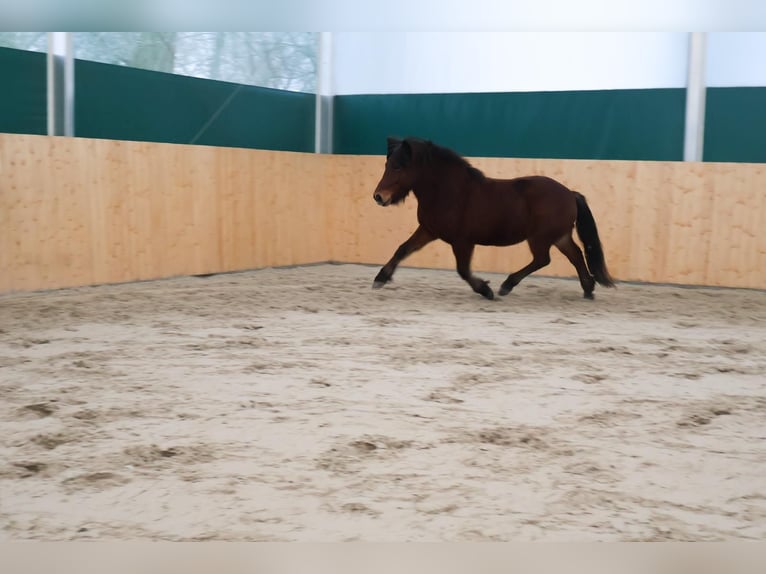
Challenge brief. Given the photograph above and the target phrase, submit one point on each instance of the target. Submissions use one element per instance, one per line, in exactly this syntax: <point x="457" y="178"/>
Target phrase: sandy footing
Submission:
<point x="301" y="405"/>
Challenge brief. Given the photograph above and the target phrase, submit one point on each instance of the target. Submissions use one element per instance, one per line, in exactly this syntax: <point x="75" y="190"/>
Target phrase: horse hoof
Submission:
<point x="488" y="294"/>
<point x="588" y="296"/>
<point x="503" y="291"/>
<point x="378" y="284"/>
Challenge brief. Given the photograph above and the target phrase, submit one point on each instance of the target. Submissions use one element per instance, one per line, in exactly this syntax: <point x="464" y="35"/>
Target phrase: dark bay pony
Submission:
<point x="458" y="204"/>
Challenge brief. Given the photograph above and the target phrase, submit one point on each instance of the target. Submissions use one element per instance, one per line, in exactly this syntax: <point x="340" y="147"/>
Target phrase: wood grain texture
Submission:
<point x="83" y="211"/>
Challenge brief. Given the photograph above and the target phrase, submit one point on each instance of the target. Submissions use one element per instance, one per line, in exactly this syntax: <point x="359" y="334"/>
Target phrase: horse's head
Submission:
<point x="399" y="176"/>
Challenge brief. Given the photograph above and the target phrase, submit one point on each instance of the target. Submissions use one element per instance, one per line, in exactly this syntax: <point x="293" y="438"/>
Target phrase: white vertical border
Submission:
<point x="60" y="84"/>
<point x="51" y="85"/>
<point x="68" y="86"/>
<point x="324" y="95"/>
<point x="694" y="127"/>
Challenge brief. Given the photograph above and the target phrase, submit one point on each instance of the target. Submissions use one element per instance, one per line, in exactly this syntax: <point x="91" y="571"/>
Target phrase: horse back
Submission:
<point x="508" y="211"/>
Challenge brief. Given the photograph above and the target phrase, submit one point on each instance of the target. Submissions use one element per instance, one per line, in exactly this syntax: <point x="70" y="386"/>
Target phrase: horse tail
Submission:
<point x="594" y="254"/>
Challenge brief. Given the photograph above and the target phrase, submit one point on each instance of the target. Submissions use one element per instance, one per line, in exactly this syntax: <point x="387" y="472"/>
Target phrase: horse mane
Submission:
<point x="436" y="153"/>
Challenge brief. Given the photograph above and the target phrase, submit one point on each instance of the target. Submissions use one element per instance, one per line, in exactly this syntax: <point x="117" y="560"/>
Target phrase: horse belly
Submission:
<point x="503" y="235"/>
<point x="497" y="225"/>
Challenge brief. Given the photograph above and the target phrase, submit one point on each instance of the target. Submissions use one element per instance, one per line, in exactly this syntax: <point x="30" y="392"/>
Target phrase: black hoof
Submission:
<point x="380" y="279"/>
<point x="485" y="290"/>
<point x="588" y="295"/>
<point x="505" y="288"/>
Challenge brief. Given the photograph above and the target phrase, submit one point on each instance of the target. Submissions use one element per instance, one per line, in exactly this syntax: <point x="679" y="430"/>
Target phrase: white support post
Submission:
<point x="60" y="89"/>
<point x="324" y="96"/>
<point x="694" y="130"/>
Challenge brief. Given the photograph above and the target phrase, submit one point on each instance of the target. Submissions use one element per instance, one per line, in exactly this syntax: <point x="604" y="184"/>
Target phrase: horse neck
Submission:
<point x="438" y="183"/>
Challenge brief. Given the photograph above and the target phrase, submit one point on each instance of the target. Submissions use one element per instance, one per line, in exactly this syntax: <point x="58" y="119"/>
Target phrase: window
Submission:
<point x="33" y="41"/>
<point x="281" y="60"/>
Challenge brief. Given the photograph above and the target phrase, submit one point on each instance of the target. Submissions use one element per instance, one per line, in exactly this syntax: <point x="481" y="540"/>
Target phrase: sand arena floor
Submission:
<point x="301" y="405"/>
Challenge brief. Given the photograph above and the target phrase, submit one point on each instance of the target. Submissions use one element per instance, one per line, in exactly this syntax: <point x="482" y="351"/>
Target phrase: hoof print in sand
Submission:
<point x="704" y="416"/>
<point x="54" y="440"/>
<point x="519" y="437"/>
<point x="39" y="410"/>
<point x="153" y="455"/>
<point x="342" y="458"/>
<point x="442" y="397"/>
<point x="26" y="469"/>
<point x="94" y="480"/>
<point x="359" y="508"/>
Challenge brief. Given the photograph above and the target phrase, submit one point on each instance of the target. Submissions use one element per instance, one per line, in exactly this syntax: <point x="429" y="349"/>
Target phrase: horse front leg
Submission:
<point x="417" y="240"/>
<point x="463" y="253"/>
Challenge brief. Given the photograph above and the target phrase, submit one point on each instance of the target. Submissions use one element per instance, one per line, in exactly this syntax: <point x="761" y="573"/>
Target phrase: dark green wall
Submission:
<point x="118" y="102"/>
<point x="610" y="124"/>
<point x="735" y="124"/>
<point x="23" y="97"/>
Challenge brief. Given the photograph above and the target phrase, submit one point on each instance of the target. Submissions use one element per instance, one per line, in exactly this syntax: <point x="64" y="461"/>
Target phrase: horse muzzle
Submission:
<point x="380" y="200"/>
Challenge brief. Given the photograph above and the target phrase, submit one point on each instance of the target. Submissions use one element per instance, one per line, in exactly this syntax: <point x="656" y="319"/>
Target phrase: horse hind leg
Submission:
<point x="463" y="254"/>
<point x="540" y="258"/>
<point x="572" y="252"/>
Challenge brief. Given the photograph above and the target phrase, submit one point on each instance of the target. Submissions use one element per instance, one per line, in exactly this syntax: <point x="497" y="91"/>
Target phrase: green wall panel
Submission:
<point x="735" y="125"/>
<point x="609" y="124"/>
<point x="23" y="98"/>
<point x="117" y="102"/>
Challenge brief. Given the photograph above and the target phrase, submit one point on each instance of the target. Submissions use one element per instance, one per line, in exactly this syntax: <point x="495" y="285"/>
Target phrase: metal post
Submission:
<point x="694" y="130"/>
<point x="60" y="84"/>
<point x="324" y="96"/>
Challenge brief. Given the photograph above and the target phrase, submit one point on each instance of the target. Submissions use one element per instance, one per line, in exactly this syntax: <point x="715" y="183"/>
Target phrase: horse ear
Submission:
<point x="392" y="145"/>
<point x="406" y="153"/>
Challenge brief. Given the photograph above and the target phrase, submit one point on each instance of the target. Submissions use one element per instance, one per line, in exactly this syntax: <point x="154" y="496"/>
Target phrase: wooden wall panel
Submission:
<point x="82" y="211"/>
<point x="737" y="253"/>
